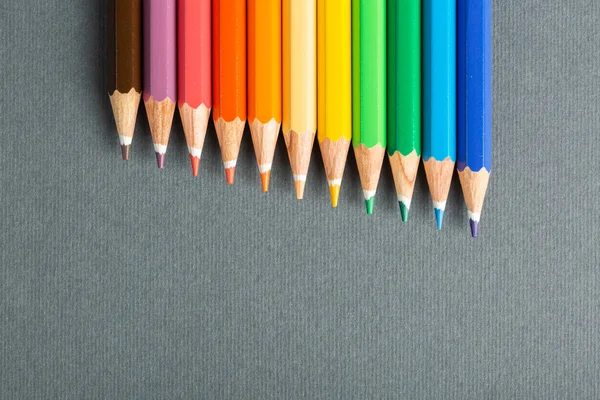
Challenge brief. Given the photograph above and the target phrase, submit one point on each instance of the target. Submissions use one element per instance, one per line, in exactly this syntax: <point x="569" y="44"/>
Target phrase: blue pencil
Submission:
<point x="439" y="99"/>
<point x="474" y="151"/>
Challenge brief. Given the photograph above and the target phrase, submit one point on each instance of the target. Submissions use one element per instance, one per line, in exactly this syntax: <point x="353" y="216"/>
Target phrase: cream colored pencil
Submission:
<point x="299" y="24"/>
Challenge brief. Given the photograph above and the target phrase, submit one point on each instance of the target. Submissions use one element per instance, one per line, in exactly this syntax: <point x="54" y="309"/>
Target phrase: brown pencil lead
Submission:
<point x="125" y="151"/>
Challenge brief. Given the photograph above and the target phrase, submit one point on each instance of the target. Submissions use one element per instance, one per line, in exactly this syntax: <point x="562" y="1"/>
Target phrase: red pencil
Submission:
<point x="194" y="73"/>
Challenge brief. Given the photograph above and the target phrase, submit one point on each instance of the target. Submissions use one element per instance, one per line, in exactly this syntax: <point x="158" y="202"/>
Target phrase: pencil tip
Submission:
<point x="439" y="218"/>
<point x="195" y="164"/>
<point x="125" y="151"/>
<point x="474" y="227"/>
<point x="403" y="211"/>
<point x="370" y="204"/>
<point x="334" y="193"/>
<point x="160" y="160"/>
<point x="230" y="175"/>
<point x="265" y="177"/>
<point x="299" y="184"/>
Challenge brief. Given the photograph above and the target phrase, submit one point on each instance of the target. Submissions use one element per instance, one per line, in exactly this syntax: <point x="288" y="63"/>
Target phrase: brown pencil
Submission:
<point x="125" y="66"/>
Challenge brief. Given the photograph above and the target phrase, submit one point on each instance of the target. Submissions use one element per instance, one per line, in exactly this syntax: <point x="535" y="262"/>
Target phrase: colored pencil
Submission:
<point x="194" y="73"/>
<point x="264" y="81"/>
<point x="160" y="71"/>
<point x="334" y="79"/>
<point x="404" y="96"/>
<point x="125" y="66"/>
<point x="299" y="24"/>
<point x="439" y="99"/>
<point x="229" y="78"/>
<point x="474" y="151"/>
<point x="369" y="92"/>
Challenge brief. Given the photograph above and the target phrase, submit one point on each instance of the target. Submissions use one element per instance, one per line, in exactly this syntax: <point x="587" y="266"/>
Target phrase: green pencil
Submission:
<point x="404" y="96"/>
<point x="368" y="93"/>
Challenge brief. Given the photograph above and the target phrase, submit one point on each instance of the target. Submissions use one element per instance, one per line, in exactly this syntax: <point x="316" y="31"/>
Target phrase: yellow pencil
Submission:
<point x="299" y="25"/>
<point x="334" y="88"/>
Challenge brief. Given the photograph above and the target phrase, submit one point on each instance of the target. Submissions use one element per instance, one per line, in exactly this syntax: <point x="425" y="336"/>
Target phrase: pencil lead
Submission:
<point x="299" y="184"/>
<point x="439" y="217"/>
<point x="125" y="151"/>
<point x="160" y="160"/>
<point x="403" y="211"/>
<point x="265" y="177"/>
<point x="195" y="164"/>
<point x="474" y="227"/>
<point x="230" y="175"/>
<point x="334" y="193"/>
<point x="370" y="204"/>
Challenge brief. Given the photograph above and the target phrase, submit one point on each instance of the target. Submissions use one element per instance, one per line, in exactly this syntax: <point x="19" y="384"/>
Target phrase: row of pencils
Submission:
<point x="410" y="77"/>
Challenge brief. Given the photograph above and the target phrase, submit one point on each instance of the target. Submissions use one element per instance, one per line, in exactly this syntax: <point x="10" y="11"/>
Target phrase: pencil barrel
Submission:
<point x="160" y="49"/>
<point x="124" y="46"/>
<point x="439" y="79"/>
<point x="264" y="60"/>
<point x="229" y="59"/>
<point x="404" y="77"/>
<point x="474" y="35"/>
<point x="368" y="73"/>
<point x="194" y="86"/>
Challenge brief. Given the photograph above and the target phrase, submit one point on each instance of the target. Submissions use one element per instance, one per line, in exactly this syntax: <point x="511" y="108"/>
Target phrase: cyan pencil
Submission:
<point x="439" y="99"/>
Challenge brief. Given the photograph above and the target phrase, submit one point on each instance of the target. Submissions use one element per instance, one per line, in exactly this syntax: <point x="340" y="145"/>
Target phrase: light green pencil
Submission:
<point x="368" y="93"/>
<point x="404" y="96"/>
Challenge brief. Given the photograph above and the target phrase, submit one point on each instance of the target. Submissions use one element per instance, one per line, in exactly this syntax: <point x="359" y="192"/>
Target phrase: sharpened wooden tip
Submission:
<point x="439" y="178"/>
<point x="229" y="134"/>
<point x="404" y="170"/>
<point x="369" y="161"/>
<point x="299" y="146"/>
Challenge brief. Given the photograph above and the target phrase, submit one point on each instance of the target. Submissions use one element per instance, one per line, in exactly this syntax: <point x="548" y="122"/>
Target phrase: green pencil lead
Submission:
<point x="403" y="211"/>
<point x="370" y="203"/>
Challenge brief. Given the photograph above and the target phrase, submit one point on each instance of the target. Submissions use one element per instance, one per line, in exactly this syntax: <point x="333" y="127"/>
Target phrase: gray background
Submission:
<point x="119" y="280"/>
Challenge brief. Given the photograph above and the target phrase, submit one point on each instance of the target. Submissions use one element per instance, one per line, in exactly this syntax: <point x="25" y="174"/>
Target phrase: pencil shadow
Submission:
<point x="351" y="192"/>
<point x="100" y="87"/>
<point x="316" y="181"/>
<point x="387" y="199"/>
<point x="281" y="174"/>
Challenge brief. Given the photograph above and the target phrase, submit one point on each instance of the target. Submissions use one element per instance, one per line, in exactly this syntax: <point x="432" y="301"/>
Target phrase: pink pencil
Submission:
<point x="160" y="71"/>
<point x="194" y="73"/>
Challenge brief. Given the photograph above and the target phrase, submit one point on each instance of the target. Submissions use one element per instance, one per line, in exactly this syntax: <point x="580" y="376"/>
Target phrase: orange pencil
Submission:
<point x="264" y="81"/>
<point x="229" y="78"/>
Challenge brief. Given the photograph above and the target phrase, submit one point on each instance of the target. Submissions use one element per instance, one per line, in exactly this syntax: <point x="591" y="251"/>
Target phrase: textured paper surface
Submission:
<point x="119" y="280"/>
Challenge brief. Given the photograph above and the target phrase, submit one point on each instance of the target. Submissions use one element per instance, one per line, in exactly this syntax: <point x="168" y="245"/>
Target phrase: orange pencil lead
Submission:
<point x="195" y="164"/>
<point x="230" y="175"/>
<point x="264" y="180"/>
